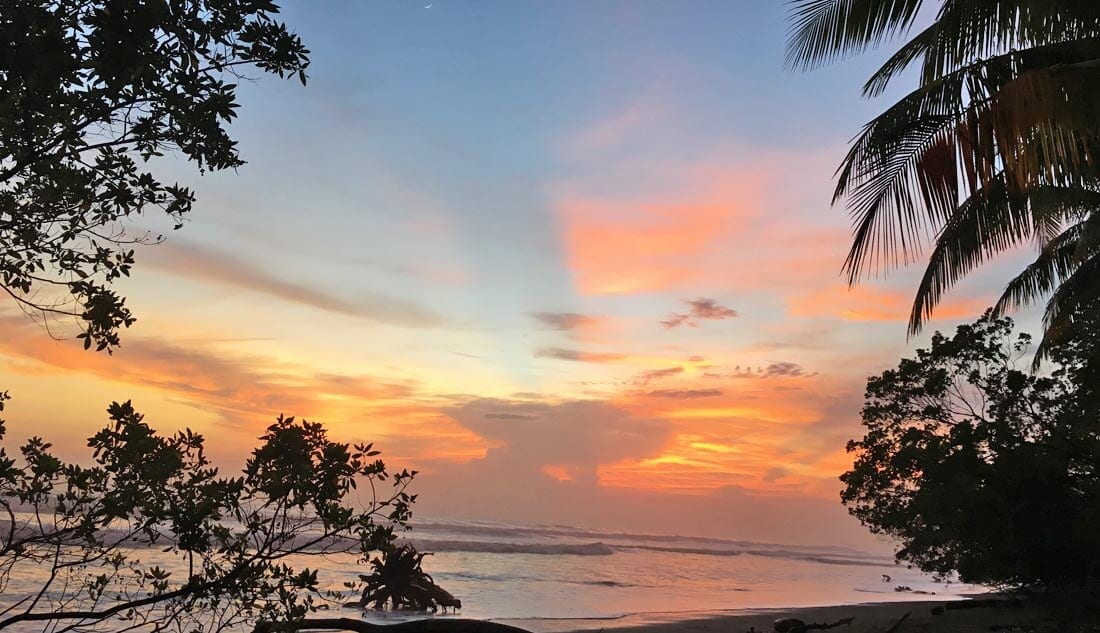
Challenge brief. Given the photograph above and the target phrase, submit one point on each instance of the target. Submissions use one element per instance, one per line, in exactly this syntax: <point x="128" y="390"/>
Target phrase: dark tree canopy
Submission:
<point x="90" y="92"/>
<point x="979" y="468"/>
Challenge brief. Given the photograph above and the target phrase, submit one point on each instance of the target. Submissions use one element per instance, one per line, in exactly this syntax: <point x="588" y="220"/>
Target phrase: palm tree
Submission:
<point x="996" y="147"/>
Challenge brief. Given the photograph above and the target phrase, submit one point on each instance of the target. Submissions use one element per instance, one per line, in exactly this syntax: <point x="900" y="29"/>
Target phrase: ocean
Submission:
<point x="556" y="578"/>
<point x="558" y="573"/>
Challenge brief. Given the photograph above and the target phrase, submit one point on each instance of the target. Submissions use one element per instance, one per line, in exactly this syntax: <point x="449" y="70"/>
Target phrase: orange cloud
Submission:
<point x="247" y="391"/>
<point x="865" y="302"/>
<point x="557" y="472"/>
<point x="776" y="431"/>
<point x="620" y="247"/>
<point x="702" y="461"/>
<point x="695" y="434"/>
<point x="718" y="222"/>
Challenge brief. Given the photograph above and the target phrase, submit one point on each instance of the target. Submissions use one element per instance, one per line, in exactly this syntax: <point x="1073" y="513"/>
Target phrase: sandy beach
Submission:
<point x="867" y="618"/>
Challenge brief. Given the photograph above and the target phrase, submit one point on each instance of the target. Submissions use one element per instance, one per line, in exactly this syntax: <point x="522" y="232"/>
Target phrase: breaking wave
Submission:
<point x="776" y="553"/>
<point x="603" y="549"/>
<point x="511" y="578"/>
<point x="513" y="531"/>
<point x="490" y="547"/>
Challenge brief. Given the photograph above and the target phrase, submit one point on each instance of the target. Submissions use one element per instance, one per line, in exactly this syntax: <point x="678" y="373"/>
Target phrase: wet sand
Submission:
<point x="867" y="618"/>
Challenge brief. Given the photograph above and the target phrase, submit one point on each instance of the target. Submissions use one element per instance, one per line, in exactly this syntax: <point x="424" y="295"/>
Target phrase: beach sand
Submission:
<point x="868" y="618"/>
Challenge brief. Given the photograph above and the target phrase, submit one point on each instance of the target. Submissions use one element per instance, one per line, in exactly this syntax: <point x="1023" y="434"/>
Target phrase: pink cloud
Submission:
<point x="624" y="125"/>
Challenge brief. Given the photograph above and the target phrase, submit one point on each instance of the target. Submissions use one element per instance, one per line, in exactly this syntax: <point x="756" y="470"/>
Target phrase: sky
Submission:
<point x="573" y="261"/>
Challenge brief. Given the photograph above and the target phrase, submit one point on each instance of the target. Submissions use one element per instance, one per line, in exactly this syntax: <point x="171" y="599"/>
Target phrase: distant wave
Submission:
<point x="808" y="557"/>
<point x="603" y="549"/>
<point x="606" y="545"/>
<point x="487" y="529"/>
<point x="512" y="578"/>
<point x="579" y="549"/>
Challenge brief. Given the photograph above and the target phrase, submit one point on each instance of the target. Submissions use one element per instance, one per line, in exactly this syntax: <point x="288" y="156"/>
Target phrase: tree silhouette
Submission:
<point x="99" y="543"/>
<point x="91" y="91"/>
<point x="979" y="468"/>
<point x="995" y="148"/>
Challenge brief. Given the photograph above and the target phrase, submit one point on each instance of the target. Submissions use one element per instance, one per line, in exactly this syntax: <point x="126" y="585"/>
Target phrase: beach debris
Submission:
<point x="794" y="625"/>
<point x="886" y="578"/>
<point x="894" y="629"/>
<point x="908" y="589"/>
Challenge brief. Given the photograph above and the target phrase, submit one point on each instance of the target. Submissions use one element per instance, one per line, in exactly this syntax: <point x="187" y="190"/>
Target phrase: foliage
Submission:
<point x="91" y="91"/>
<point x="397" y="579"/>
<point x="995" y="148"/>
<point x="151" y="537"/>
<point x="982" y="469"/>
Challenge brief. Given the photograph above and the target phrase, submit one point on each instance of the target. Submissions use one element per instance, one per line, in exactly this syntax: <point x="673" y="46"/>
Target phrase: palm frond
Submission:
<point x="891" y="201"/>
<point x="999" y="143"/>
<point x="964" y="31"/>
<point x="970" y="30"/>
<point x="825" y="30"/>
<point x="1080" y="289"/>
<point x="900" y="175"/>
<point x="1044" y="123"/>
<point x="916" y="48"/>
<point x="1054" y="264"/>
<point x="992" y="221"/>
<point x="1088" y="242"/>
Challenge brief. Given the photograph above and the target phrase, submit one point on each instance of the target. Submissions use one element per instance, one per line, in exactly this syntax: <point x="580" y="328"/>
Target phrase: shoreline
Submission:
<point x="868" y="617"/>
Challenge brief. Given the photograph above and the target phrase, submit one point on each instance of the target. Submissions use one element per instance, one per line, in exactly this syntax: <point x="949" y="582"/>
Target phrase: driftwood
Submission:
<point x="429" y="625"/>
<point x="421" y="592"/>
<point x="397" y="579"/>
<point x="428" y="592"/>
<point x="894" y="629"/>
<point x="794" y="625"/>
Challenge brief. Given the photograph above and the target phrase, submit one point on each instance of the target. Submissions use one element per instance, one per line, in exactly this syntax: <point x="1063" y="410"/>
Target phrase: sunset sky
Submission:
<point x="575" y="261"/>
